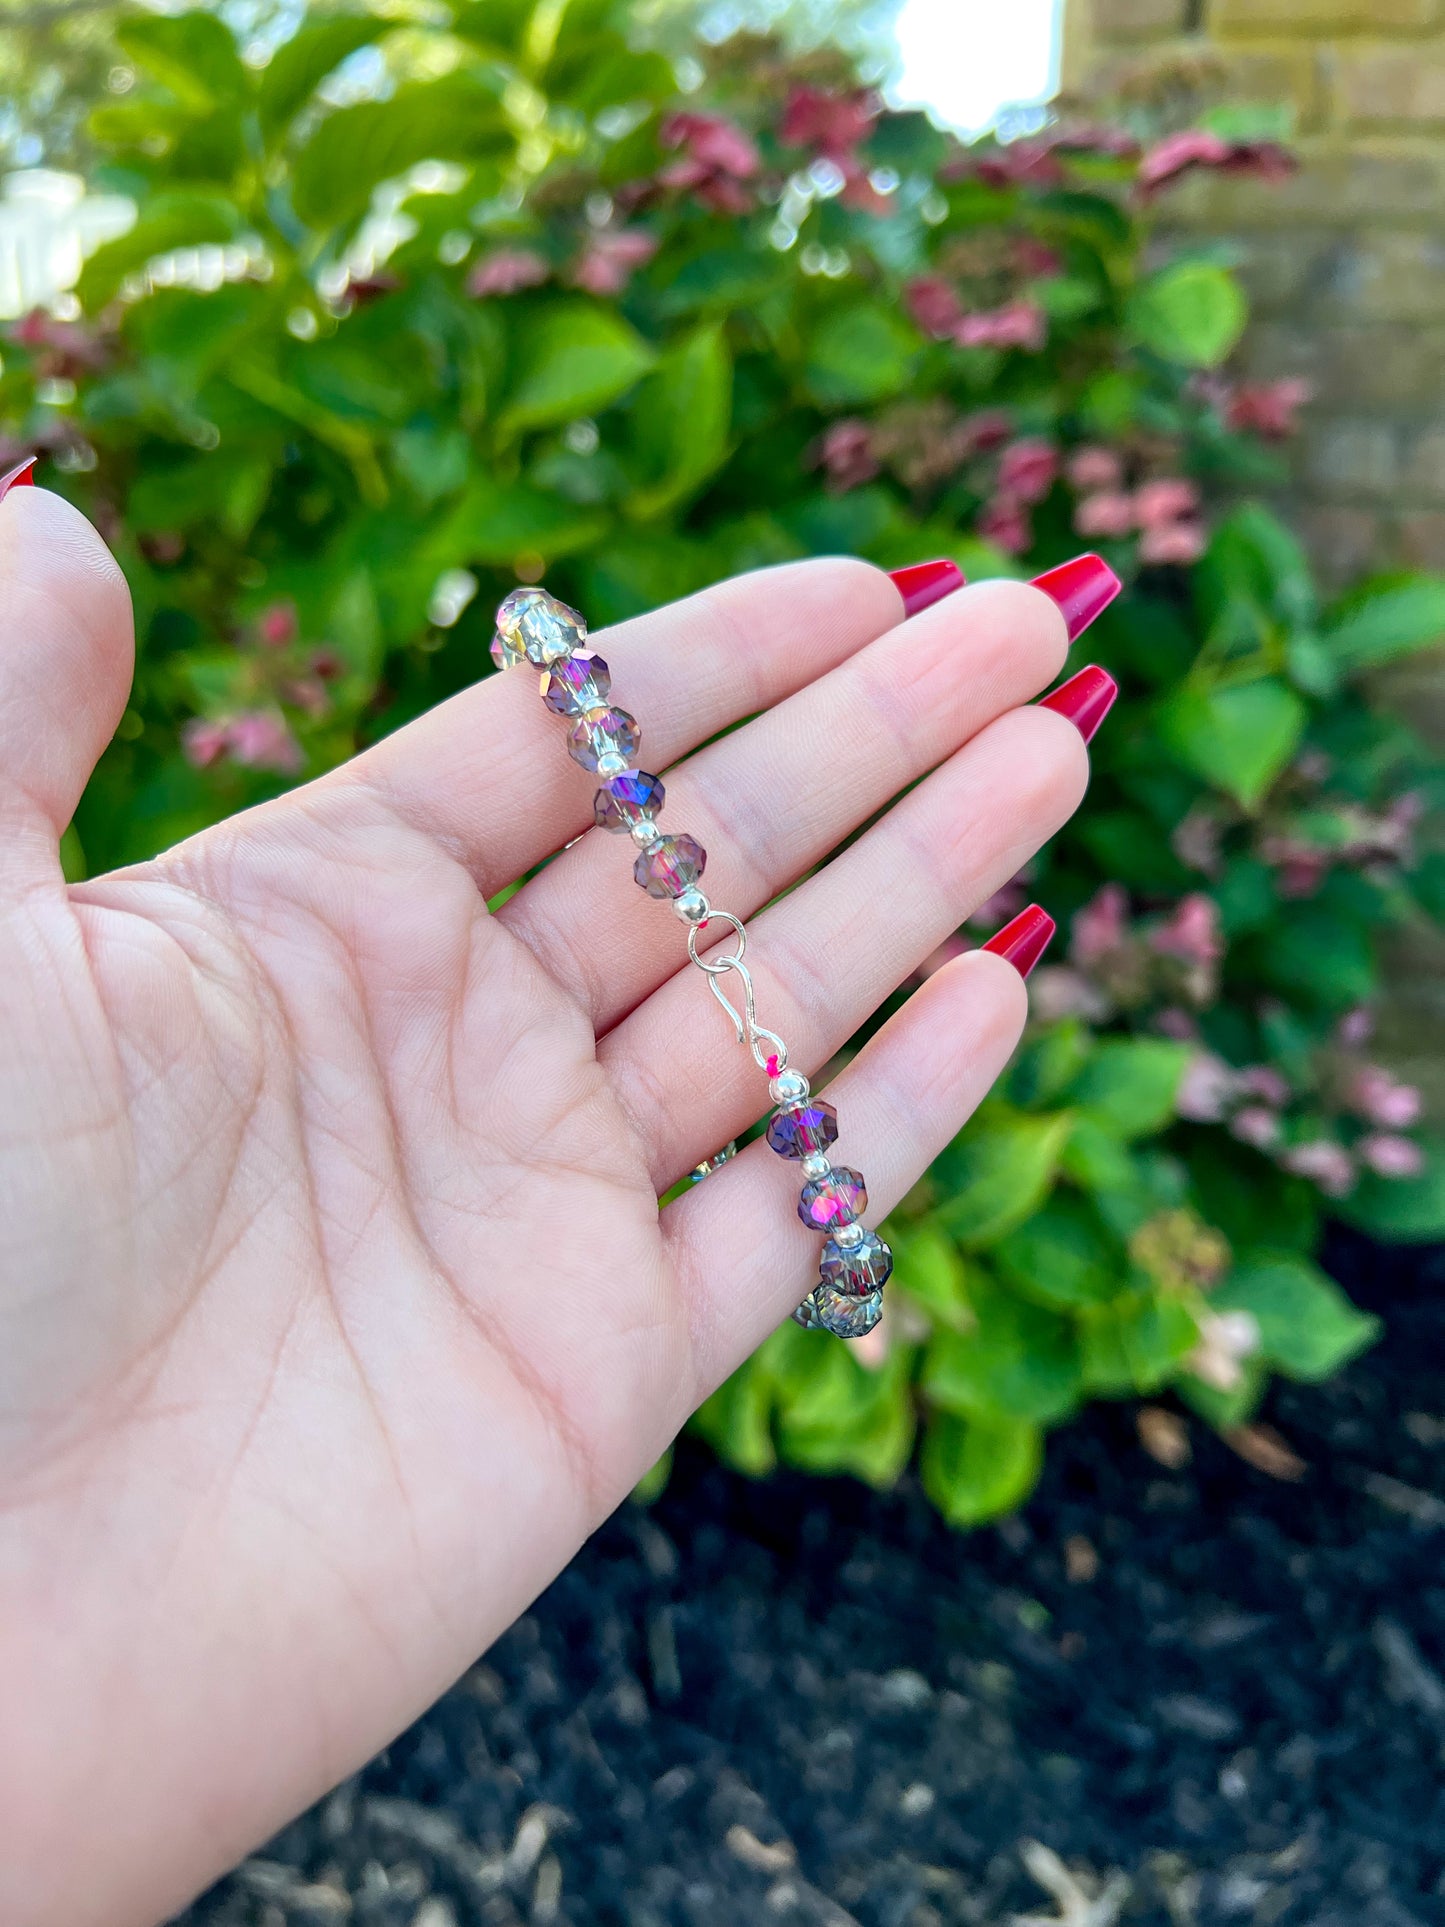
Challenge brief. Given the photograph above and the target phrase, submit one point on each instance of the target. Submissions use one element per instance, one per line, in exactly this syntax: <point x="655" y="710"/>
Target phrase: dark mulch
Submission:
<point x="802" y="1703"/>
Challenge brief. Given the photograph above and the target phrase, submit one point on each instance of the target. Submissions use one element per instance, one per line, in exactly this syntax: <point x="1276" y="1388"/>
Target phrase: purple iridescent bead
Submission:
<point x="856" y="1270"/>
<point x="603" y="732"/>
<point x="843" y="1314"/>
<point x="578" y="682"/>
<point x="798" y="1130"/>
<point x="624" y="800"/>
<point x="836" y="1199"/>
<point x="672" y="865"/>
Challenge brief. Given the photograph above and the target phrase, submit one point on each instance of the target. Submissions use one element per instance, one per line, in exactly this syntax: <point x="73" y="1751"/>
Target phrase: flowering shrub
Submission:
<point x="412" y="311"/>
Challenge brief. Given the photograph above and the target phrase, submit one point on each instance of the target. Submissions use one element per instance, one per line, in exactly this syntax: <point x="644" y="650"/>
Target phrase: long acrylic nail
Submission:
<point x="1083" y="589"/>
<point x="926" y="583"/>
<point x="21" y="477"/>
<point x="1024" y="940"/>
<point x="1085" y="699"/>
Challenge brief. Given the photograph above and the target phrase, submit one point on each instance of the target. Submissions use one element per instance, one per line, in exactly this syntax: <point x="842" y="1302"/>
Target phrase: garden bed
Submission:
<point x="1219" y="1697"/>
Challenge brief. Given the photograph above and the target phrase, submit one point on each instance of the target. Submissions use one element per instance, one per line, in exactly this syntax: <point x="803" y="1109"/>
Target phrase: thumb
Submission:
<point x="66" y="652"/>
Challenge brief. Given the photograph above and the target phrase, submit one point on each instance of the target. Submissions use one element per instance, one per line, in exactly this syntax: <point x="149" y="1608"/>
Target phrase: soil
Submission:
<point x="1199" y="1697"/>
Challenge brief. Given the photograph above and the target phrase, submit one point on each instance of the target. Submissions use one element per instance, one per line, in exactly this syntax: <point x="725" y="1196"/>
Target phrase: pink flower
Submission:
<point x="1006" y="524"/>
<point x="1226" y="1339"/>
<point x="1175" y="545"/>
<point x="1325" y="1163"/>
<point x="845" y="453"/>
<point x="984" y="431"/>
<point x="1207" y="1086"/>
<point x="1019" y="162"/>
<point x="1002" y="907"/>
<point x="1264" y="1081"/>
<point x="831" y="124"/>
<point x="1056" y="992"/>
<point x="1170" y="499"/>
<point x="203" y="742"/>
<point x="1035" y="257"/>
<point x="259" y="739"/>
<point x="1109" y="513"/>
<point x="1192" y="933"/>
<point x="934" y="306"/>
<point x="1269" y="409"/>
<point x="1100" y="927"/>
<point x="1256" y="1124"/>
<point x="610" y="259"/>
<point x="1028" y="468"/>
<point x="1177" y="154"/>
<point x="63" y="349"/>
<point x="506" y="271"/>
<point x="1095" y="138"/>
<point x="1391" y="1157"/>
<point x="1356" y="1027"/>
<point x="859" y="192"/>
<point x="1019" y="324"/>
<point x="1095" y="467"/>
<point x="717" y="156"/>
<point x="1196" y="841"/>
<point x="1375" y="1095"/>
<point x="278" y="625"/>
<point x="1178" y="1024"/>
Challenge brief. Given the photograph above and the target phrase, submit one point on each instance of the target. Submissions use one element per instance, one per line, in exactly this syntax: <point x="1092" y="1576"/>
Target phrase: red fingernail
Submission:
<point x="1083" y="589"/>
<point x="1085" y="699"/>
<point x="926" y="583"/>
<point x="22" y="477"/>
<point x="1024" y="940"/>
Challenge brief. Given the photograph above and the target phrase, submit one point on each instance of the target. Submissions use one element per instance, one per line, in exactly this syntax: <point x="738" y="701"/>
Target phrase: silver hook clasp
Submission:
<point x="749" y="1030"/>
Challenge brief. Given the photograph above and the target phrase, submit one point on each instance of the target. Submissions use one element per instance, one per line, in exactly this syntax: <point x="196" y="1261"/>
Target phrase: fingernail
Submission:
<point x="1024" y="940"/>
<point x="926" y="583"/>
<point x="21" y="477"/>
<point x="1085" y="699"/>
<point x="1083" y="589"/>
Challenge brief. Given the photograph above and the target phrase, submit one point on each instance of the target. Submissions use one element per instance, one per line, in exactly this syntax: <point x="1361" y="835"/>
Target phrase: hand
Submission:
<point x="336" y="1308"/>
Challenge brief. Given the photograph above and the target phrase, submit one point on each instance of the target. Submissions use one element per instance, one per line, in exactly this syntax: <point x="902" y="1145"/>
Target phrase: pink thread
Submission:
<point x="773" y="1068"/>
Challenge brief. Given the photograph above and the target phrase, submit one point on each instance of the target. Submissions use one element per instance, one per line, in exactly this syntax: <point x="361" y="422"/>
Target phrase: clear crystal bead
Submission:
<point x="672" y="865"/>
<point x="601" y="732"/>
<point x="856" y="1270"/>
<point x="504" y="654"/>
<point x="579" y="681"/>
<point x="834" y="1200"/>
<point x="844" y="1315"/>
<point x="806" y="1315"/>
<point x="536" y="622"/>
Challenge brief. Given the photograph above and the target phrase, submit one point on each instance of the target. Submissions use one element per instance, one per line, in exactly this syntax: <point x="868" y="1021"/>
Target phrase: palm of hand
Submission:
<point x="337" y="1305"/>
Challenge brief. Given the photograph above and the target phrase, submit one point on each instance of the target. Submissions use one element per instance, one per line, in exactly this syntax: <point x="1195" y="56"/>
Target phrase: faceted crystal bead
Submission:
<point x="504" y="654"/>
<point x="856" y="1270"/>
<point x="625" y="800"/>
<point x="836" y="1199"/>
<point x="800" y="1129"/>
<point x="598" y="731"/>
<point x="672" y="865"/>
<point x="538" y="623"/>
<point x="578" y="682"/>
<point x="844" y="1315"/>
<point x="806" y="1315"/>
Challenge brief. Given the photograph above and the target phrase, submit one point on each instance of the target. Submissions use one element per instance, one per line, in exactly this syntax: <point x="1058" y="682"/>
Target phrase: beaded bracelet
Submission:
<point x="534" y="627"/>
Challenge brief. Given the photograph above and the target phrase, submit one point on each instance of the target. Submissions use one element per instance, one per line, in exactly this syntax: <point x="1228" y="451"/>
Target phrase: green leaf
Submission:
<point x="170" y="221"/>
<point x="193" y="54"/>
<point x="1129" y="1084"/>
<point x="927" y="1266"/>
<point x="1223" y="1410"/>
<point x="1402" y="1210"/>
<point x="497" y="521"/>
<point x="1192" y="313"/>
<point x="1307" y="1326"/>
<point x="356" y="148"/>
<point x="299" y="66"/>
<point x="1134" y="1344"/>
<point x="1019" y="1361"/>
<point x="1237" y="738"/>
<point x="680" y="421"/>
<point x="978" y="1469"/>
<point x="1048" y="1061"/>
<point x="998" y="1172"/>
<point x="1386" y="619"/>
<point x="736" y="1420"/>
<point x="842" y="1417"/>
<point x="860" y="354"/>
<point x="574" y="357"/>
<point x="1061" y="1257"/>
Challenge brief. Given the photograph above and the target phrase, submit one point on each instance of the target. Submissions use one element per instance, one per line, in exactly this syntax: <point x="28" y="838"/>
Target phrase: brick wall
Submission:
<point x="1346" y="269"/>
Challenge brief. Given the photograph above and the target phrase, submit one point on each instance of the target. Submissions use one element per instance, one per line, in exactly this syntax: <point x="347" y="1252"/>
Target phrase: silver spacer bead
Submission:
<point x="846" y="1236"/>
<point x="788" y="1087"/>
<point x="645" y="832"/>
<point x="609" y="763"/>
<point x="816" y="1165"/>
<point x="693" y="907"/>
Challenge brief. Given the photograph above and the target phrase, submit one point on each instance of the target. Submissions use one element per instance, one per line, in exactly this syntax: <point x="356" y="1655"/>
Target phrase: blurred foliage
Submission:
<point x="412" y="311"/>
